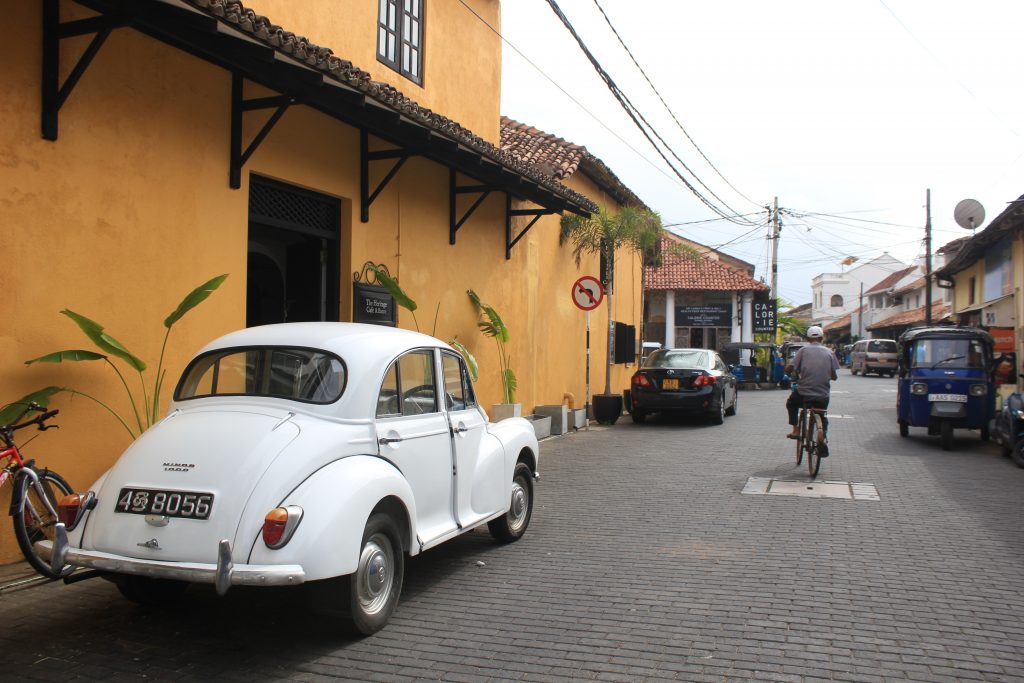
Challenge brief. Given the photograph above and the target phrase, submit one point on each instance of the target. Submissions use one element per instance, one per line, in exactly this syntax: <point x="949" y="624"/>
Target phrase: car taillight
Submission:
<point x="279" y="525"/>
<point x="704" y="380"/>
<point x="68" y="508"/>
<point x="640" y="380"/>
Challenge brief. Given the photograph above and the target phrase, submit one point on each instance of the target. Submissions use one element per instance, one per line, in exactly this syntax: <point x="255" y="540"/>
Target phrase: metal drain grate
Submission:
<point x="809" y="488"/>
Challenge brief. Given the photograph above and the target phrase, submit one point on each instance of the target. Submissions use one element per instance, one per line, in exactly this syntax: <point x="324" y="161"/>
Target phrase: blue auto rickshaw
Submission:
<point x="945" y="381"/>
<point x="767" y="359"/>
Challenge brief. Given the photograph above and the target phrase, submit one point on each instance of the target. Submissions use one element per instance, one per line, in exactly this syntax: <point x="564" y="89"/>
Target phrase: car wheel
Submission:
<point x="144" y="590"/>
<point x="638" y="416"/>
<point x="735" y="403"/>
<point x="904" y="429"/>
<point x="1018" y="453"/>
<point x="718" y="417"/>
<point x="374" y="587"/>
<point x="512" y="525"/>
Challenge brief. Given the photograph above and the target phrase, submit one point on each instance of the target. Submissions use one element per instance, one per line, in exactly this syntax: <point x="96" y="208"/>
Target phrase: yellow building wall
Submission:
<point x="962" y="297"/>
<point x="130" y="209"/>
<point x="461" y="54"/>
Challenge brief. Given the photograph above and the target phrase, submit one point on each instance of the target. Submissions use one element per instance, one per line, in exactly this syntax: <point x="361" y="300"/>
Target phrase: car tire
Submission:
<point x="1018" y="453"/>
<point x="735" y="403"/>
<point x="638" y="416"/>
<point x="371" y="592"/>
<point x="512" y="525"/>
<point x="984" y="433"/>
<point x="718" y="417"/>
<point x="145" y="590"/>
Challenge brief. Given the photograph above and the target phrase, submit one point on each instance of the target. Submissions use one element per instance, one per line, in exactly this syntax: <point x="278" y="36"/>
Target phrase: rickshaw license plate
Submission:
<point x="670" y="384"/>
<point x="955" y="398"/>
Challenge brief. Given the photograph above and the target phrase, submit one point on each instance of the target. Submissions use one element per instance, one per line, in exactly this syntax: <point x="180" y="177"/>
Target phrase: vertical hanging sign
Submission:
<point x="765" y="313"/>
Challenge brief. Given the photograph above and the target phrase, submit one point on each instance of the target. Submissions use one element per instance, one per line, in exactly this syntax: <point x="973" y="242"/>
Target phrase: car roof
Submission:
<point x="367" y="351"/>
<point x="945" y="333"/>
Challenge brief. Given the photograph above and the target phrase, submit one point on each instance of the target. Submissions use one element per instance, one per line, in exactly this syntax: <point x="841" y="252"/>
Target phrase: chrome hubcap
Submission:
<point x="520" y="504"/>
<point x="376" y="573"/>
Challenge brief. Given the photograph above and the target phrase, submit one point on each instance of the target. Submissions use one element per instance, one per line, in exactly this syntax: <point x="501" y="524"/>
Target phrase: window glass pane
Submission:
<point x="298" y="374"/>
<point x="415" y="8"/>
<point x="414" y="35"/>
<point x="408" y="5"/>
<point x="419" y="395"/>
<point x="391" y="17"/>
<point x="415" y="68"/>
<point x="387" y="399"/>
<point x="454" y="395"/>
<point x="405" y="57"/>
<point x="382" y="42"/>
<point x="391" y="47"/>
<point x="405" y="26"/>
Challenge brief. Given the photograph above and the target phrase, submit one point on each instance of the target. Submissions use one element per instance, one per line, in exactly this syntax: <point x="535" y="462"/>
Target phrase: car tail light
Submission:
<point x="68" y="509"/>
<point x="704" y="380"/>
<point x="640" y="380"/>
<point x="279" y="525"/>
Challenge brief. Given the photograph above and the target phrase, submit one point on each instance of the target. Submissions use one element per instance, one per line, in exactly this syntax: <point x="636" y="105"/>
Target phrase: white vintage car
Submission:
<point x="304" y="452"/>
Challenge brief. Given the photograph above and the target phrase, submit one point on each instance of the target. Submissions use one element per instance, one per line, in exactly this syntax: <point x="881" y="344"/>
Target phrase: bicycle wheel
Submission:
<point x="815" y="438"/>
<point x="802" y="423"/>
<point x="36" y="523"/>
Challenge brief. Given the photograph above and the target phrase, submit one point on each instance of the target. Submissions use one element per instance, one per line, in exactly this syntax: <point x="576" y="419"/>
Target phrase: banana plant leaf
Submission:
<point x="474" y="368"/>
<point x="68" y="355"/>
<point x="104" y="341"/>
<point x="394" y="289"/>
<point x="511" y="384"/>
<point x="194" y="298"/>
<point x="12" y="411"/>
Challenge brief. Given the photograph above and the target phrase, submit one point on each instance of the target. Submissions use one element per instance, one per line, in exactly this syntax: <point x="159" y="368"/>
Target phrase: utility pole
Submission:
<point x="776" y="229"/>
<point x="928" y="258"/>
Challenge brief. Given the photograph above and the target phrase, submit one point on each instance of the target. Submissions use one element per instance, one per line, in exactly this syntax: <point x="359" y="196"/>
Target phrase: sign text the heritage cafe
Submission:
<point x="765" y="311"/>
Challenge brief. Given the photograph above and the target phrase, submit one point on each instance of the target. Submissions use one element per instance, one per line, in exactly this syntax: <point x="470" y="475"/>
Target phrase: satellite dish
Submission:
<point x="969" y="214"/>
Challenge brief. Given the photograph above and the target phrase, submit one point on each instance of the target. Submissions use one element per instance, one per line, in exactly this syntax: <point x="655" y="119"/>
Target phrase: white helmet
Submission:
<point x="814" y="332"/>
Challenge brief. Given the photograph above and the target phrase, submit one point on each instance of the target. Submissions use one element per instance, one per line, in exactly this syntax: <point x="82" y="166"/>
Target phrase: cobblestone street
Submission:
<point x="644" y="561"/>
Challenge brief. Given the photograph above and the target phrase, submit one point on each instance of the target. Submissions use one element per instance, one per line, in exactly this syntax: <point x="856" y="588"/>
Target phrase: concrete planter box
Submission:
<point x="579" y="418"/>
<point x="500" y="411"/>
<point x="541" y="425"/>
<point x="559" y="415"/>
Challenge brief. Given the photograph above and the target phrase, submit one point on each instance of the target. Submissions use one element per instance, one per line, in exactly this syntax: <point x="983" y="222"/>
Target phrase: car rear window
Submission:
<point x="671" y="358"/>
<point x="280" y="372"/>
<point x="882" y="346"/>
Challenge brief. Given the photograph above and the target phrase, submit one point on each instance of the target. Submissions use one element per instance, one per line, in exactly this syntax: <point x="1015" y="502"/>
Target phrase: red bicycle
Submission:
<point x="36" y="492"/>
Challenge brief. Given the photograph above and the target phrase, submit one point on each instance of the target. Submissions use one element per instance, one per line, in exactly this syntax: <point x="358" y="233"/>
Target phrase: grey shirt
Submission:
<point x="815" y="366"/>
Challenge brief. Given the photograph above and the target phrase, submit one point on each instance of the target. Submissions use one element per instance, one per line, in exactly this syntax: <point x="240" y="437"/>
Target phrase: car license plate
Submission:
<point x="186" y="504"/>
<point x="955" y="398"/>
<point x="669" y="384"/>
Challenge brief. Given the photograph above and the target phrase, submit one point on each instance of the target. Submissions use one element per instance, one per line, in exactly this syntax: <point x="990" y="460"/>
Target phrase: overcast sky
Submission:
<point x="851" y="109"/>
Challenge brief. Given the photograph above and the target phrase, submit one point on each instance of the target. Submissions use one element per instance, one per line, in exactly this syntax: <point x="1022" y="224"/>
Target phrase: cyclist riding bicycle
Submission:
<point x="815" y="367"/>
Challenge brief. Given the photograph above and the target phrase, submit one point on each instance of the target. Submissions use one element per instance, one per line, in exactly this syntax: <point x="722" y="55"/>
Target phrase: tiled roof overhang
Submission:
<point x="915" y="316"/>
<point x="227" y="34"/>
<point x="562" y="159"/>
<point x="688" y="271"/>
<point x="1012" y="218"/>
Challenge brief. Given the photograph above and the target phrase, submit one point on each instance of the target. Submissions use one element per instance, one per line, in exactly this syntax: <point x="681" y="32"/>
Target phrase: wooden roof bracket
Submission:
<point x="454" y="190"/>
<point x="54" y="94"/>
<point x="240" y="105"/>
<point x="366" y="198"/>
<point x="510" y="213"/>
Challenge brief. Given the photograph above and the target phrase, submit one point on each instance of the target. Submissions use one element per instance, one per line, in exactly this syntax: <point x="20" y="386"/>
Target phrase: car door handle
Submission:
<point x="384" y="440"/>
<point x="461" y="429"/>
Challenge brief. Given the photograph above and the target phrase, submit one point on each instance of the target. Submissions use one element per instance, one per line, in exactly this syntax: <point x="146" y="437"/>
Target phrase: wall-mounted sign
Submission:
<point x="765" y="313"/>
<point x="371" y="303"/>
<point x="710" y="315"/>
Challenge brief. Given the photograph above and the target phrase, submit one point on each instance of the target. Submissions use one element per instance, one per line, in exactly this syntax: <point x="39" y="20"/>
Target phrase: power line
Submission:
<point x="636" y="116"/>
<point x="665" y="104"/>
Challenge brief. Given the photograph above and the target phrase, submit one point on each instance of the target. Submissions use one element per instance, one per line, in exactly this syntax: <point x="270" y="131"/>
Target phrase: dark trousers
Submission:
<point x="795" y="402"/>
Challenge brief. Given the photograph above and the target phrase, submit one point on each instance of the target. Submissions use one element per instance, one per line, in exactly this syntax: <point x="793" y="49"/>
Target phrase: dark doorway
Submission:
<point x="293" y="254"/>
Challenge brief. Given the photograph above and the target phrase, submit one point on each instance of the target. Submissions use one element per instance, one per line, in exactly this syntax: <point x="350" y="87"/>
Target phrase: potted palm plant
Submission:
<point x="491" y="325"/>
<point x="638" y="231"/>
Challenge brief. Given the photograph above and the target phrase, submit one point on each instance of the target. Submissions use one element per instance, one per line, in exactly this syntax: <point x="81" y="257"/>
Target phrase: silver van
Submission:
<point x="874" y="355"/>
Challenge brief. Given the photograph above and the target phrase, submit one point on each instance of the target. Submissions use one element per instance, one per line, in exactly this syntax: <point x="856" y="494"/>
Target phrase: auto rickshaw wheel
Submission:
<point x="984" y="433"/>
<point x="946" y="433"/>
<point x="1018" y="453"/>
<point x="904" y="429"/>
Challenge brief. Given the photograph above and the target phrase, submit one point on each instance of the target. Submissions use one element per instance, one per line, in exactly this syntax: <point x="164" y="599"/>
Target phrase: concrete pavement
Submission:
<point x="644" y="561"/>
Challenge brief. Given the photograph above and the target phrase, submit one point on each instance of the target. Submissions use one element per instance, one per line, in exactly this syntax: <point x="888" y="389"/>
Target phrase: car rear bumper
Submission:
<point x="223" y="574"/>
<point x="699" y="401"/>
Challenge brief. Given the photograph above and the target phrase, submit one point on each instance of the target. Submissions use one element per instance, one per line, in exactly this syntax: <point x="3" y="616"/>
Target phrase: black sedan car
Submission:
<point x="694" y="381"/>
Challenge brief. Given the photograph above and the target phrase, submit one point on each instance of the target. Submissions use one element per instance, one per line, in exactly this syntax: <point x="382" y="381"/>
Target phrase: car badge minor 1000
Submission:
<point x="178" y="466"/>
